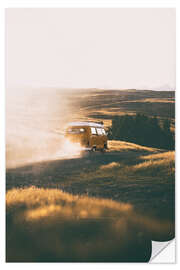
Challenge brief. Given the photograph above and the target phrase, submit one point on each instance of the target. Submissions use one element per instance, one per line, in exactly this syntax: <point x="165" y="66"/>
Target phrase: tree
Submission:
<point x="143" y="130"/>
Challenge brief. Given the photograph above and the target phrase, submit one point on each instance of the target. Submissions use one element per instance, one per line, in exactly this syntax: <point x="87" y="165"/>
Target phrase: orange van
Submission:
<point x="91" y="135"/>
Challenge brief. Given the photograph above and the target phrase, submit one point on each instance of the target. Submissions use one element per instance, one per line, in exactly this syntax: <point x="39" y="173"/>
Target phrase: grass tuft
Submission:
<point x="51" y="225"/>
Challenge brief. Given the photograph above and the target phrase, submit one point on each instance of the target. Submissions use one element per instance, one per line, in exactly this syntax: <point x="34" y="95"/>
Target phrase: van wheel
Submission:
<point x="93" y="149"/>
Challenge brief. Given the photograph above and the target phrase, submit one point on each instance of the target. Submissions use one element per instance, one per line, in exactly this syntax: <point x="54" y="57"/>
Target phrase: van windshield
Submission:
<point x="75" y="130"/>
<point x="101" y="131"/>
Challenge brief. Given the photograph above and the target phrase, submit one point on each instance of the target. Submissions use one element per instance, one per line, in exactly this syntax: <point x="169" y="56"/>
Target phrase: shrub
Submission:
<point x="143" y="130"/>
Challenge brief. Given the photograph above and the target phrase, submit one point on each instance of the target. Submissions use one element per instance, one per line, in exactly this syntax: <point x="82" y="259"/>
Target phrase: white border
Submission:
<point x="69" y="4"/>
<point x="90" y="3"/>
<point x="2" y="138"/>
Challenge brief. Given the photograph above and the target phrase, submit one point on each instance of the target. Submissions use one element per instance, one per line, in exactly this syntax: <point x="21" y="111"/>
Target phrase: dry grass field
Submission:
<point x="103" y="104"/>
<point x="122" y="200"/>
<point x="50" y="225"/>
<point x="92" y="206"/>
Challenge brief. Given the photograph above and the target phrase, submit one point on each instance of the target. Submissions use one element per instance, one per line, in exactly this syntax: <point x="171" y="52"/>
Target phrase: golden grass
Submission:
<point x="126" y="146"/>
<point x="153" y="162"/>
<point x="50" y="225"/>
<point x="150" y="164"/>
<point x="46" y="202"/>
<point x="170" y="155"/>
<point x="157" y="162"/>
<point x="110" y="165"/>
<point x="109" y="112"/>
<point x="153" y="100"/>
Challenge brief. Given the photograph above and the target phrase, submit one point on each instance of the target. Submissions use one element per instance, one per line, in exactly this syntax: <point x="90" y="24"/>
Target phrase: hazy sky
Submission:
<point x="105" y="48"/>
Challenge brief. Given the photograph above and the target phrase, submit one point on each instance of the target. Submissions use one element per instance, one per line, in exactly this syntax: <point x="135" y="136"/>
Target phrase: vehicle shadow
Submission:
<point x="52" y="173"/>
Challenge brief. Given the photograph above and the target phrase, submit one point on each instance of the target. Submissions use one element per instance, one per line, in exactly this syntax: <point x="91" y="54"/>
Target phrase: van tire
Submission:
<point x="93" y="149"/>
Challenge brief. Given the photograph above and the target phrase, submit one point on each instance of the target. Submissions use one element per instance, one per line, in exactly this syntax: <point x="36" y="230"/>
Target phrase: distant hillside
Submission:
<point x="103" y="104"/>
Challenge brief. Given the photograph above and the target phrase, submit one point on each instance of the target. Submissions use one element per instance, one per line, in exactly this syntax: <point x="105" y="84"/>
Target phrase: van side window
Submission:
<point x="103" y="132"/>
<point x="99" y="131"/>
<point x="93" y="130"/>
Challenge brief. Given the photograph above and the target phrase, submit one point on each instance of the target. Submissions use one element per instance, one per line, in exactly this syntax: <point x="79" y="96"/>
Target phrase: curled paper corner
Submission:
<point x="163" y="252"/>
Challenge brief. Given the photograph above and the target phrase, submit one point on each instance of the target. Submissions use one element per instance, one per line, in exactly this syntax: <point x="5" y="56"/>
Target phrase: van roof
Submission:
<point x="90" y="124"/>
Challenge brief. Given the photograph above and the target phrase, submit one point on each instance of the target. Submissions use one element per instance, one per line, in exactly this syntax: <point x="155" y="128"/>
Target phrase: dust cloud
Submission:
<point x="35" y="120"/>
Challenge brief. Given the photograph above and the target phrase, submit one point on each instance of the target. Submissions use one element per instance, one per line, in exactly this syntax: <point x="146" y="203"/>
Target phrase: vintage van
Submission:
<point x="91" y="135"/>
